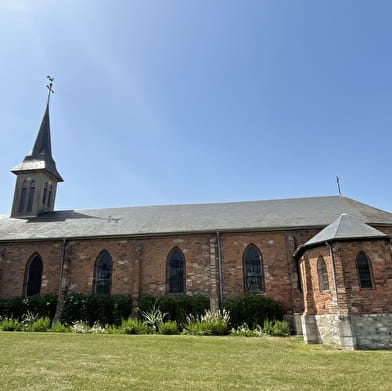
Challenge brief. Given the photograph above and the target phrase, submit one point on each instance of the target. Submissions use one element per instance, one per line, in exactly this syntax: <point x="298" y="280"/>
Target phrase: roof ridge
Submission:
<point x="340" y="221"/>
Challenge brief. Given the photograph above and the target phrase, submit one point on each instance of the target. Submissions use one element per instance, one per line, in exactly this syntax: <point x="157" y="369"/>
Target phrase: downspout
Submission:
<point x="60" y="294"/>
<point x="333" y="272"/>
<point x="219" y="259"/>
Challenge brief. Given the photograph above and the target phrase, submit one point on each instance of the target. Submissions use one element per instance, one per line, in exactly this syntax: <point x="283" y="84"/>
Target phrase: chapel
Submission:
<point x="326" y="259"/>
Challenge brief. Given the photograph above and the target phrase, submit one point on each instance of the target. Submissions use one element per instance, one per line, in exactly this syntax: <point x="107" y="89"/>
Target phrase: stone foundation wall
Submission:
<point x="331" y="329"/>
<point x="368" y="331"/>
<point x="373" y="331"/>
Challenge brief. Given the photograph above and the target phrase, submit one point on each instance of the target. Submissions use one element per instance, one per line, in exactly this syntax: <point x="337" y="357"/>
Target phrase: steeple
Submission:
<point x="41" y="155"/>
<point x="37" y="175"/>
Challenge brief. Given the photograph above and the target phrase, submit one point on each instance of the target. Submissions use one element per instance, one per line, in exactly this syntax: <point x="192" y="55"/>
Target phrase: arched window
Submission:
<point x="103" y="274"/>
<point x="33" y="276"/>
<point x="22" y="200"/>
<point x="364" y="271"/>
<point x="45" y="193"/>
<point x="175" y="271"/>
<point x="253" y="270"/>
<point x="31" y="197"/>
<point x="322" y="274"/>
<point x="50" y="188"/>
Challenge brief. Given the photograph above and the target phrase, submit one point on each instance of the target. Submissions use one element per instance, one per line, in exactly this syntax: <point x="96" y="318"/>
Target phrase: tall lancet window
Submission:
<point x="253" y="270"/>
<point x="322" y="274"/>
<point x="175" y="272"/>
<point x="364" y="271"/>
<point x="50" y="188"/>
<point x="45" y="193"/>
<point x="33" y="276"/>
<point x="31" y="197"/>
<point x="22" y="200"/>
<point x="103" y="274"/>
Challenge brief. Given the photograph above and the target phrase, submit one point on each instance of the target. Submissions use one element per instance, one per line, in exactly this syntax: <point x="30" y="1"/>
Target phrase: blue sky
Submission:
<point x="160" y="102"/>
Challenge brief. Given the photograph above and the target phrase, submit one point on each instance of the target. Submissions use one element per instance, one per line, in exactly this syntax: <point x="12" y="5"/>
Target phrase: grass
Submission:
<point x="55" y="361"/>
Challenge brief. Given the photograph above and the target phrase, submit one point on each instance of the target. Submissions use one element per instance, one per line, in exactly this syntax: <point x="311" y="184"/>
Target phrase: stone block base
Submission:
<point x="369" y="331"/>
<point x="373" y="331"/>
<point x="331" y="329"/>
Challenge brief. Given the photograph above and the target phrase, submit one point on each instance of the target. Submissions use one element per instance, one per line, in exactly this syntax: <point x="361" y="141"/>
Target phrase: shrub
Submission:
<point x="102" y="309"/>
<point x="10" y="325"/>
<point x="122" y="308"/>
<point x="134" y="326"/>
<point x="177" y="307"/>
<point x="59" y="328"/>
<point x="253" y="310"/>
<point x="243" y="331"/>
<point x="168" y="328"/>
<point x="41" y="305"/>
<point x="41" y="324"/>
<point x="277" y="328"/>
<point x="197" y="327"/>
<point x="213" y="322"/>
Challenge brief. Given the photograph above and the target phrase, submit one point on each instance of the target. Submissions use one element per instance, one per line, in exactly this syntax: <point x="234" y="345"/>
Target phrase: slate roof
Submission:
<point x="41" y="156"/>
<point x="165" y="219"/>
<point x="344" y="227"/>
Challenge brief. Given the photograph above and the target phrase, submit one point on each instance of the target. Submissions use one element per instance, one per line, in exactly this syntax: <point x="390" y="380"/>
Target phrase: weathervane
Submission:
<point x="338" y="183"/>
<point x="49" y="86"/>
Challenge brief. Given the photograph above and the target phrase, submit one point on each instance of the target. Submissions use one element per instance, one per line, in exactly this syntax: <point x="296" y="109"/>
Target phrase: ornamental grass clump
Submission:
<point x="28" y="319"/>
<point x="80" y="327"/>
<point x="153" y="318"/>
<point x="41" y="324"/>
<point x="213" y="322"/>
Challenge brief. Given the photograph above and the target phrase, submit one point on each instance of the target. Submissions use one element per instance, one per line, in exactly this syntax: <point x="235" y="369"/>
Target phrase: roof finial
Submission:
<point x="49" y="87"/>
<point x="338" y="183"/>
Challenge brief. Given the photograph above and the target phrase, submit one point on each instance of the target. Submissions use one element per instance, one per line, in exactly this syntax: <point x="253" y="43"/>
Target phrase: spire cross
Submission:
<point x="49" y="86"/>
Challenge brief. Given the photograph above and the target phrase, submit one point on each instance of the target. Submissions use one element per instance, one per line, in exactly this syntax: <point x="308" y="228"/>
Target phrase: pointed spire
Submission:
<point x="41" y="155"/>
<point x="43" y="146"/>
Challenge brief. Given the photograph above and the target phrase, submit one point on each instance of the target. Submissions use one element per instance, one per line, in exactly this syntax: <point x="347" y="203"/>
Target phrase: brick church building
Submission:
<point x="326" y="259"/>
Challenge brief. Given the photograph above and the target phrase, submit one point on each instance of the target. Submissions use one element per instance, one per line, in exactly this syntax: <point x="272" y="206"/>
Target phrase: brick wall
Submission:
<point x="351" y="298"/>
<point x="139" y="264"/>
<point x="316" y="300"/>
<point x="14" y="262"/>
<point x="378" y="299"/>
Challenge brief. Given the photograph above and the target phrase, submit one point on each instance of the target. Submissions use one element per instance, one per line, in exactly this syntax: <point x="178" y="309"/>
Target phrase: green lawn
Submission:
<point x="51" y="361"/>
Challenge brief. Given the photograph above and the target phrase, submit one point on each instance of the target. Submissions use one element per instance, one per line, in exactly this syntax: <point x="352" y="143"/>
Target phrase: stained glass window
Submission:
<point x="34" y="276"/>
<point x="364" y="272"/>
<point x="253" y="270"/>
<point x="103" y="274"/>
<point x="176" y="271"/>
<point x="322" y="274"/>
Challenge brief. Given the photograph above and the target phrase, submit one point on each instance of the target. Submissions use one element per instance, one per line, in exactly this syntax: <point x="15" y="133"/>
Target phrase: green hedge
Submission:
<point x="88" y="308"/>
<point x="253" y="310"/>
<point x="178" y="307"/>
<point x="103" y="309"/>
<point x="41" y="305"/>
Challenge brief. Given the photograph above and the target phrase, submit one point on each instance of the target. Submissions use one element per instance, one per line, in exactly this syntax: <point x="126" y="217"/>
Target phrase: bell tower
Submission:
<point x="37" y="176"/>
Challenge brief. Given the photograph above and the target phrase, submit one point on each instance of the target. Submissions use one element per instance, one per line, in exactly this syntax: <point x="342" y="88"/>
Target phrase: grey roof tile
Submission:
<point x="344" y="227"/>
<point x="165" y="219"/>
